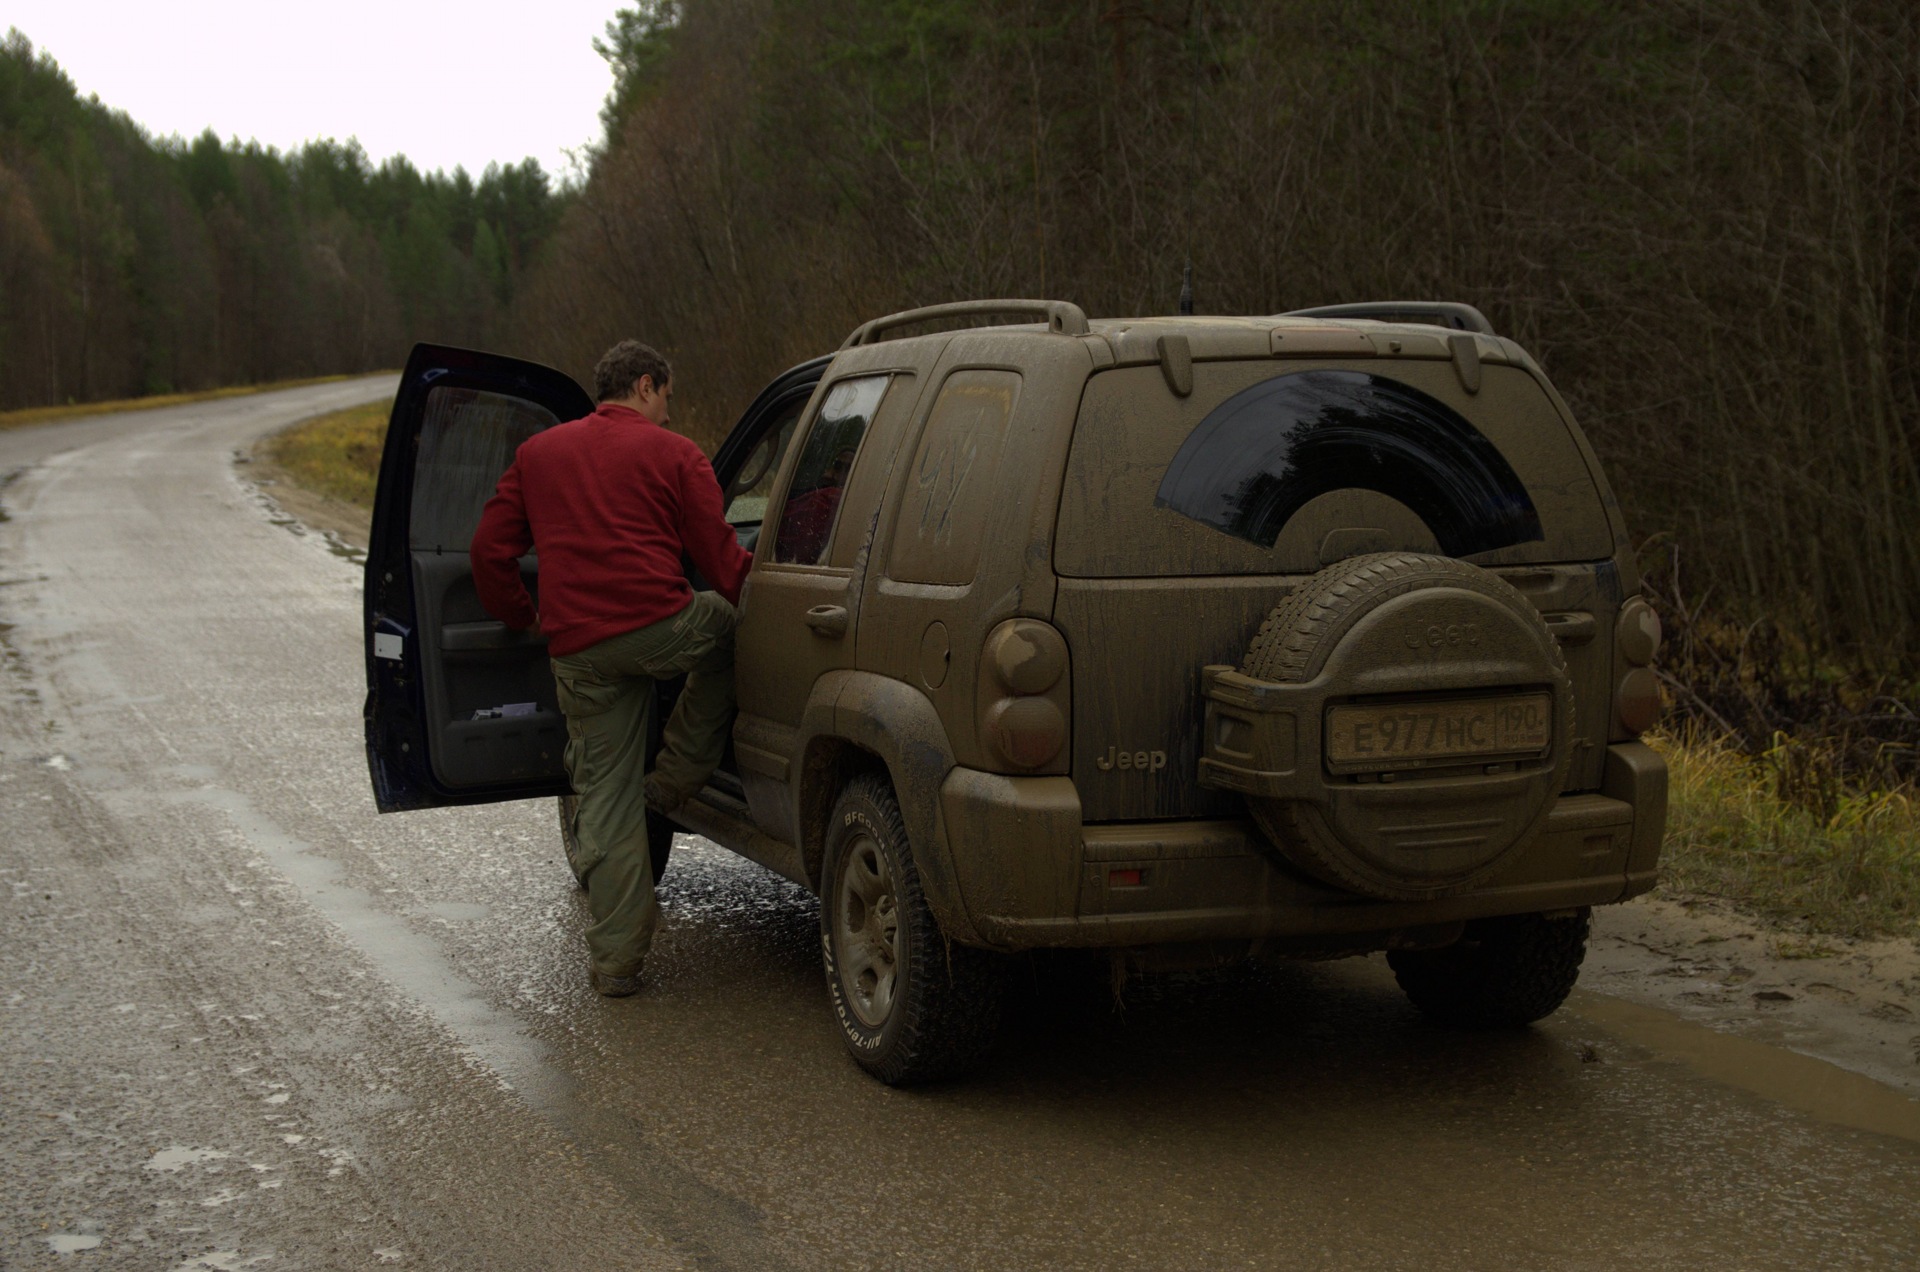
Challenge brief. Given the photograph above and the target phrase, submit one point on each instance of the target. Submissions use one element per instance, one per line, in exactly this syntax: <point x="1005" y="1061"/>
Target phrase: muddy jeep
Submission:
<point x="1183" y="638"/>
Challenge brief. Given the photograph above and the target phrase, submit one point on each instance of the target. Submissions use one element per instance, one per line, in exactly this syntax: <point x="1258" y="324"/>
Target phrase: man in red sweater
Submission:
<point x="610" y="502"/>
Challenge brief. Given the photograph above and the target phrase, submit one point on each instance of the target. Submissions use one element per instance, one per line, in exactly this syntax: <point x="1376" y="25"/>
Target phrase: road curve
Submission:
<point x="245" y="1022"/>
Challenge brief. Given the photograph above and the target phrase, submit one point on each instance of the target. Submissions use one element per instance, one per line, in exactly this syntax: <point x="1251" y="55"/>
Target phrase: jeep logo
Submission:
<point x="1151" y="761"/>
<point x="1440" y="636"/>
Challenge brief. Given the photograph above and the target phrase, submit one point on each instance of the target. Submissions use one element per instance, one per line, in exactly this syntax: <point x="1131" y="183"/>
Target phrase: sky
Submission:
<point x="442" y="83"/>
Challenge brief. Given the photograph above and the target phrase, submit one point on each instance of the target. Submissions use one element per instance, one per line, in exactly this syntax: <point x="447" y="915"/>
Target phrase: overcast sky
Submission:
<point x="442" y="83"/>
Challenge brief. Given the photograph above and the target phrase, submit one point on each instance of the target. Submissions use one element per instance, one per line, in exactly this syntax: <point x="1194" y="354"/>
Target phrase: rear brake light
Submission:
<point x="1024" y="722"/>
<point x="1026" y="731"/>
<point x="1638" y="635"/>
<point x="1636" y="703"/>
<point x="1027" y="656"/>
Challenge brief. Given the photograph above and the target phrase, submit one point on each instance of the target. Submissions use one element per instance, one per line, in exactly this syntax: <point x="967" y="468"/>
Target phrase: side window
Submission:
<point x="945" y="509"/>
<point x="752" y="486"/>
<point x="826" y="462"/>
<point x="467" y="439"/>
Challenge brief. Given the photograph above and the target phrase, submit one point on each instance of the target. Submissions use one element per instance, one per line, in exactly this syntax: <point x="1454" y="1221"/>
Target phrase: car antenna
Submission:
<point x="1193" y="137"/>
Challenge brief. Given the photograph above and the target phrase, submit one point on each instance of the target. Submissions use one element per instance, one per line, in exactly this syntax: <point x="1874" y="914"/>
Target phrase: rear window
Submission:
<point x="1263" y="470"/>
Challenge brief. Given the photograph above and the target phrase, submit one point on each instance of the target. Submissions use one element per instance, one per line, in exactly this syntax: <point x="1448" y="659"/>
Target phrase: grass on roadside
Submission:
<point x="49" y="414"/>
<point x="336" y="454"/>
<point x="1730" y="834"/>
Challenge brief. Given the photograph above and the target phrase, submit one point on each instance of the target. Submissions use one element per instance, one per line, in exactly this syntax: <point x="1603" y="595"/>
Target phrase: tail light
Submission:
<point x="1023" y="692"/>
<point x="1636" y="639"/>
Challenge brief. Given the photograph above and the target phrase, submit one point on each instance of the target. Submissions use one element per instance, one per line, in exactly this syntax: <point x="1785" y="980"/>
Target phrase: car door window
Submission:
<point x="467" y="439"/>
<point x="825" y="466"/>
<point x="747" y="493"/>
<point x="944" y="514"/>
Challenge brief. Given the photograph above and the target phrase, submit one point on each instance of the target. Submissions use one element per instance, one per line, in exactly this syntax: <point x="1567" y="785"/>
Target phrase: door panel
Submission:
<point x="491" y="708"/>
<point x="459" y="710"/>
<point x="797" y="617"/>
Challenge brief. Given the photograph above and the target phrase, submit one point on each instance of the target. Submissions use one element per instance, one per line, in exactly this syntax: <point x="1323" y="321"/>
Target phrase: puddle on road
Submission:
<point x="7" y="479"/>
<point x="1802" y="1083"/>
<point x="341" y="548"/>
<point x="279" y="516"/>
<point x="688" y="1210"/>
<point x="172" y="1160"/>
<point x="412" y="962"/>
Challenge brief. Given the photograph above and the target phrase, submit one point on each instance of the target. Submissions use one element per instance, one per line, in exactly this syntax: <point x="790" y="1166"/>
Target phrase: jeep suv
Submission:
<point x="1182" y="638"/>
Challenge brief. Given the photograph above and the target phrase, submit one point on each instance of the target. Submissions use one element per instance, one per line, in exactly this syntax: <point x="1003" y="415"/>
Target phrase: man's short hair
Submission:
<point x="626" y="362"/>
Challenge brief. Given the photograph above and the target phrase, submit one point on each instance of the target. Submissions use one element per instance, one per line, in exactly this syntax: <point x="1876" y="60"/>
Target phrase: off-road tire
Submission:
<point x="1292" y="645"/>
<point x="1506" y="971"/>
<point x="945" y="1000"/>
<point x="659" y="840"/>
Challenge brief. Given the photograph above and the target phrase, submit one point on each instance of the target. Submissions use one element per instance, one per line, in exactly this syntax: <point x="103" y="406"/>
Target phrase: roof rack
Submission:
<point x="1451" y="314"/>
<point x="1062" y="317"/>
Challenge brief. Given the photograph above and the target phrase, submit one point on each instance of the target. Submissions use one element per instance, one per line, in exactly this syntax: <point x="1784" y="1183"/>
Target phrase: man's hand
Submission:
<point x="539" y="633"/>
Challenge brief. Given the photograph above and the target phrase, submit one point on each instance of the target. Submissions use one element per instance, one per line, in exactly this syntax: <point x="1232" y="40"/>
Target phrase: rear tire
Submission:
<point x="659" y="840"/>
<point x="912" y="1006"/>
<point x="1502" y="972"/>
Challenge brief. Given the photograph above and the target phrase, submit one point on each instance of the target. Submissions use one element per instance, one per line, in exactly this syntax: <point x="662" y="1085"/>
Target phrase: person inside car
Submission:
<point x="808" y="517"/>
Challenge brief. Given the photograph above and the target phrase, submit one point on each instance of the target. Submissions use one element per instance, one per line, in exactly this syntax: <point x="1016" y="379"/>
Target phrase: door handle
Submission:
<point x="828" y="620"/>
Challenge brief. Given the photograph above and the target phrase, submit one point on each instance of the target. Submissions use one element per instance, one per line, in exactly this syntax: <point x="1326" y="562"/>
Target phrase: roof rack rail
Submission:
<point x="1062" y="317"/>
<point x="1435" y="313"/>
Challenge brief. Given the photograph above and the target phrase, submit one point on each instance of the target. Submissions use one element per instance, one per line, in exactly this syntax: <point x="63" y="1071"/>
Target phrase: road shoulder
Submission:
<point x="1854" y="1003"/>
<point x="325" y="515"/>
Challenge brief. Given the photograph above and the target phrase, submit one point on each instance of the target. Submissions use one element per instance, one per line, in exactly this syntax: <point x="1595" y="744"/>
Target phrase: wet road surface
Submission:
<point x="245" y="1022"/>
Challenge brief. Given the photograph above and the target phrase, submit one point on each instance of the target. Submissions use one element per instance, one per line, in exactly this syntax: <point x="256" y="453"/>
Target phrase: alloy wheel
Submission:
<point x="866" y="931"/>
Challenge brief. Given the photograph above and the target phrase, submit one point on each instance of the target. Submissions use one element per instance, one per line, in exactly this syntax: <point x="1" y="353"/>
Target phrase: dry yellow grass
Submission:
<point x="337" y="454"/>
<point x="1856" y="873"/>
<point x="49" y="414"/>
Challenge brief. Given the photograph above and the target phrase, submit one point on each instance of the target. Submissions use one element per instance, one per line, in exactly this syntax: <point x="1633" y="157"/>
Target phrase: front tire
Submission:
<point x="1505" y="971"/>
<point x="912" y="1007"/>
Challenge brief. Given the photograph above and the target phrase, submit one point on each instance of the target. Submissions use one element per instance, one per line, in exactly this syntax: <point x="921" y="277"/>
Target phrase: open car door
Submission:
<point x="459" y="710"/>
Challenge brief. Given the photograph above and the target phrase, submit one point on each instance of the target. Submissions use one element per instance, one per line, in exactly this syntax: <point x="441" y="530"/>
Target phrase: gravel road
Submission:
<point x="245" y="1022"/>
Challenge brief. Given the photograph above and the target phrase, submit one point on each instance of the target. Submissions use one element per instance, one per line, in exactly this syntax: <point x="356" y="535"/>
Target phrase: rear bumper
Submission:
<point x="1031" y="875"/>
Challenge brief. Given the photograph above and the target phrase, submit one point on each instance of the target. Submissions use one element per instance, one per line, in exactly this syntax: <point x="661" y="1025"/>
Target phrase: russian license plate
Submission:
<point x="1463" y="728"/>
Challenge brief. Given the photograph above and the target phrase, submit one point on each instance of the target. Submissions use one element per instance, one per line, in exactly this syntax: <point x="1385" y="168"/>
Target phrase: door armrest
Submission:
<point x="458" y="638"/>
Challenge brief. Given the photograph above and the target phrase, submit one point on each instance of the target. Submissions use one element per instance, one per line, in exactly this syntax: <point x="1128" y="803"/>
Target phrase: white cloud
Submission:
<point x="442" y="83"/>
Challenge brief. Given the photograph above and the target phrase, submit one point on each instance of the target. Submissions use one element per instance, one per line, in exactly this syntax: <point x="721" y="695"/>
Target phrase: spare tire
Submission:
<point x="1385" y="647"/>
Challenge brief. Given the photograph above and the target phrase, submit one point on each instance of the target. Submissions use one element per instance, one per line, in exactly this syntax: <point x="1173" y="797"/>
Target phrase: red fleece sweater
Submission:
<point x="610" y="502"/>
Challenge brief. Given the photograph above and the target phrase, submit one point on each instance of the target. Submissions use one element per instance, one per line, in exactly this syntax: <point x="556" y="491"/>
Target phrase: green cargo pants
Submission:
<point x="607" y="693"/>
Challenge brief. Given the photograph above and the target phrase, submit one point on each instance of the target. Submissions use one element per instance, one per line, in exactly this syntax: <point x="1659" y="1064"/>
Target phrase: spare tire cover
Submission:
<point x="1411" y="631"/>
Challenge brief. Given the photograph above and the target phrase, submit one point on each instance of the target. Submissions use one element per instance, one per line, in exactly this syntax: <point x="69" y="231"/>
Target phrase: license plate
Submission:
<point x="1465" y="728"/>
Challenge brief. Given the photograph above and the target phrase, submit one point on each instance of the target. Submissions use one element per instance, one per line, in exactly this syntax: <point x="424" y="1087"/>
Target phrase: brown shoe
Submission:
<point x="613" y="986"/>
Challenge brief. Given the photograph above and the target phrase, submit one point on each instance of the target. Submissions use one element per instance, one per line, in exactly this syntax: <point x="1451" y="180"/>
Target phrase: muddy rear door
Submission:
<point x="1185" y="518"/>
<point x="459" y="709"/>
